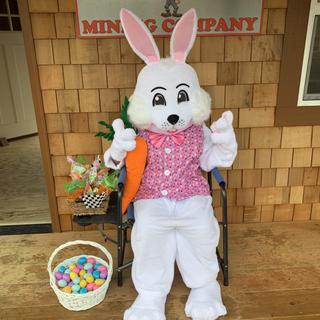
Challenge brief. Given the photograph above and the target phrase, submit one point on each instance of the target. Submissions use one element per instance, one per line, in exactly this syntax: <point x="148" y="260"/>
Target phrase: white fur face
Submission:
<point x="168" y="98"/>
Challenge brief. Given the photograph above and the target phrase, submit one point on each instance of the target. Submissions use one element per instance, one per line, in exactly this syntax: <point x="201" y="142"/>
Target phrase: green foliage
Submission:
<point x="111" y="180"/>
<point x="124" y="116"/>
<point x="81" y="160"/>
<point x="74" y="185"/>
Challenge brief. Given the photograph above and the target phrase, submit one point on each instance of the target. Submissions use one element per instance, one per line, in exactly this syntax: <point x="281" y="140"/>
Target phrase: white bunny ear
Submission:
<point x="183" y="36"/>
<point x="139" y="37"/>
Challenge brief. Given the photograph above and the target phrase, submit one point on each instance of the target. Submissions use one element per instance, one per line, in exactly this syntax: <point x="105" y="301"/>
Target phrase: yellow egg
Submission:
<point x="99" y="282"/>
<point x="73" y="275"/>
<point x="90" y="279"/>
<point x="72" y="266"/>
<point x="82" y="273"/>
<point x="66" y="289"/>
<point x="83" y="283"/>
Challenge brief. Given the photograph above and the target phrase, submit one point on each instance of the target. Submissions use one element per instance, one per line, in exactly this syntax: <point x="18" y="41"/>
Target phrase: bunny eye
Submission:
<point x="159" y="100"/>
<point x="182" y="96"/>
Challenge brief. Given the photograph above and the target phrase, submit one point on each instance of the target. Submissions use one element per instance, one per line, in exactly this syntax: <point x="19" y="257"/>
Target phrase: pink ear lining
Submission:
<point x="184" y="35"/>
<point x="139" y="37"/>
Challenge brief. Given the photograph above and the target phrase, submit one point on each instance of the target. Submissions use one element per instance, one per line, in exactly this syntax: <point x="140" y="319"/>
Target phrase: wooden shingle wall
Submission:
<point x="275" y="176"/>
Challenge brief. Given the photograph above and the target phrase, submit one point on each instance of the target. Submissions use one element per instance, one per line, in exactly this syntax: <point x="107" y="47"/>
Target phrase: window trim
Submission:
<point x="287" y="111"/>
<point x="314" y="11"/>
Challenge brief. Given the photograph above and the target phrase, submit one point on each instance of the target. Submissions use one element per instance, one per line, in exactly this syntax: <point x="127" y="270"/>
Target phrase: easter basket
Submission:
<point x="78" y="302"/>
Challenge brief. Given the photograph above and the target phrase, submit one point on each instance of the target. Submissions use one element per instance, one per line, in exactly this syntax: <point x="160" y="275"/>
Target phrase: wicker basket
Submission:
<point x="79" y="209"/>
<point x="78" y="302"/>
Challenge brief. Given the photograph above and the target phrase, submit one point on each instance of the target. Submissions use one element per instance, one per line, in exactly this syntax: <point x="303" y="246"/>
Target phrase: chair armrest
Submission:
<point x="219" y="178"/>
<point x="122" y="178"/>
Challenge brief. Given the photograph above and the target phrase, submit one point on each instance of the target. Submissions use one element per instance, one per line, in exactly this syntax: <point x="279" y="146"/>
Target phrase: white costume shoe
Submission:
<point x="205" y="303"/>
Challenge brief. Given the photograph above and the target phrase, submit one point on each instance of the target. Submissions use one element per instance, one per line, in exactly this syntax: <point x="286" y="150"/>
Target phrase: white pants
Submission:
<point x="167" y="230"/>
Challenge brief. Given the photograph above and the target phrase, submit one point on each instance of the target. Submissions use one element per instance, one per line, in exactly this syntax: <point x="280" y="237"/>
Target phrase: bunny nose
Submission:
<point x="173" y="119"/>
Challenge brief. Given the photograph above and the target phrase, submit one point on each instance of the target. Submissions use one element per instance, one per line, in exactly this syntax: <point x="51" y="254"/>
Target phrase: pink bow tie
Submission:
<point x="157" y="139"/>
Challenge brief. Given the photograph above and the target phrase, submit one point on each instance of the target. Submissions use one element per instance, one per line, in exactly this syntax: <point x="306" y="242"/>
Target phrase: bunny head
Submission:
<point x="167" y="96"/>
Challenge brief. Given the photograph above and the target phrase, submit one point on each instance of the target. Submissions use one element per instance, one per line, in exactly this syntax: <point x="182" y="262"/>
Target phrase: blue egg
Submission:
<point x="83" y="290"/>
<point x="62" y="269"/>
<point x="75" y="288"/>
<point x="96" y="274"/>
<point x="87" y="266"/>
<point x="62" y="283"/>
<point x="76" y="280"/>
<point x="67" y="271"/>
<point x="97" y="265"/>
<point x="82" y="260"/>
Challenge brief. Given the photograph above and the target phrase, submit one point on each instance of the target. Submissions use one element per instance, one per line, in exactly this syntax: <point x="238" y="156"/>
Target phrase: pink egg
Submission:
<point x="58" y="275"/>
<point x="76" y="270"/>
<point x="66" y="277"/>
<point x="70" y="284"/>
<point x="79" y="266"/>
<point x="90" y="286"/>
<point x="95" y="287"/>
<point x="91" y="260"/>
<point x="103" y="274"/>
<point x="90" y="270"/>
<point x="102" y="268"/>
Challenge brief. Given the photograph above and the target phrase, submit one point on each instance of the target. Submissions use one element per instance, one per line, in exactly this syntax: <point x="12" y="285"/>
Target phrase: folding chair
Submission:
<point x="114" y="216"/>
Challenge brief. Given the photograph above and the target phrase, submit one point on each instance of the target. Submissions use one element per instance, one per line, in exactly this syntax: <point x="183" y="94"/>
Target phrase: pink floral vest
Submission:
<point x="173" y="171"/>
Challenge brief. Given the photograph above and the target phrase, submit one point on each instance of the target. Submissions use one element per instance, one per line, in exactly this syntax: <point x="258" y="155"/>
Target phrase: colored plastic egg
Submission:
<point x="90" y="286"/>
<point x="102" y="268"/>
<point x="68" y="271"/>
<point x="96" y="274"/>
<point x="66" y="277"/>
<point x="89" y="278"/>
<point x="90" y="270"/>
<point x="88" y="266"/>
<point x="99" y="282"/>
<point x="70" y="284"/>
<point x="58" y="275"/>
<point x="83" y="290"/>
<point x="62" y="269"/>
<point x="76" y="270"/>
<point x="82" y="260"/>
<point x="103" y="274"/>
<point x="82" y="273"/>
<point x="66" y="289"/>
<point x="91" y="260"/>
<point x="72" y="266"/>
<point x="62" y="283"/>
<point x="76" y="280"/>
<point x="95" y="287"/>
<point x="97" y="265"/>
<point x="80" y="266"/>
<point x="73" y="275"/>
<point x="83" y="283"/>
<point x="75" y="288"/>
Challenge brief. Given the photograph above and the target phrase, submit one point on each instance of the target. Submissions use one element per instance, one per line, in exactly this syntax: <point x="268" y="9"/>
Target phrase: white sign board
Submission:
<point x="100" y="18"/>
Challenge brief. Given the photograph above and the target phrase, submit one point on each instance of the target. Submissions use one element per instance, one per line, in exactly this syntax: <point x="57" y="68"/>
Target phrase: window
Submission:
<point x="9" y="16"/>
<point x="298" y="100"/>
<point x="309" y="91"/>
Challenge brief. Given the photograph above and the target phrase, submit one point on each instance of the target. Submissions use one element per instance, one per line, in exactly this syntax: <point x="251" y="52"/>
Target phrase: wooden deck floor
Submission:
<point x="274" y="269"/>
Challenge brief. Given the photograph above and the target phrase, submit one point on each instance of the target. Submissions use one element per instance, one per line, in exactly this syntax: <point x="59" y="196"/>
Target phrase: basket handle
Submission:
<point x="76" y="242"/>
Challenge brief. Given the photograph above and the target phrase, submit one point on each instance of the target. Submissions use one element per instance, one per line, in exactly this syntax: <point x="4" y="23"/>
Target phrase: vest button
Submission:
<point x="166" y="172"/>
<point x="167" y="150"/>
<point x="164" y="192"/>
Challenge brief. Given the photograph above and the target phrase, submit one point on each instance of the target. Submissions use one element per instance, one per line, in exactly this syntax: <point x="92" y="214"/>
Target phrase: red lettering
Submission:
<point x="151" y="24"/>
<point x="236" y="24"/>
<point x="209" y="24"/>
<point x="168" y="25"/>
<point x="222" y="25"/>
<point x="250" y="22"/>
<point x="102" y="28"/>
<point x="113" y="26"/>
<point x="89" y="27"/>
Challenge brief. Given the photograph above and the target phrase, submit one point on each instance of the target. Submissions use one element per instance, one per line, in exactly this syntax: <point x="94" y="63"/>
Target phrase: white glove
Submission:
<point x="124" y="140"/>
<point x="222" y="131"/>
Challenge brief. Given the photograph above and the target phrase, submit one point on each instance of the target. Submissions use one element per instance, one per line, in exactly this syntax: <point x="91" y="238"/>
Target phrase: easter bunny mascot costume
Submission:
<point x="173" y="212"/>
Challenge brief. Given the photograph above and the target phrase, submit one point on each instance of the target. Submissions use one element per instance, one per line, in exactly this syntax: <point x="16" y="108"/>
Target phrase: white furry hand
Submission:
<point x="124" y="140"/>
<point x="222" y="130"/>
